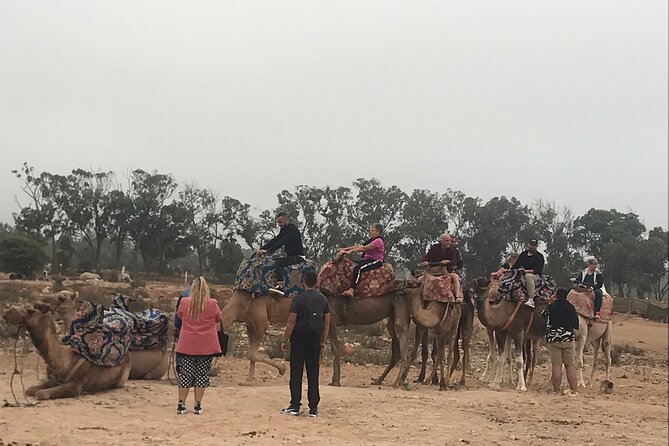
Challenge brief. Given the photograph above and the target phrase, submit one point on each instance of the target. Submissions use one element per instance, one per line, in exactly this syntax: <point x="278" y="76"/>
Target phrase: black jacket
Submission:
<point x="595" y="280"/>
<point x="534" y="262"/>
<point x="289" y="237"/>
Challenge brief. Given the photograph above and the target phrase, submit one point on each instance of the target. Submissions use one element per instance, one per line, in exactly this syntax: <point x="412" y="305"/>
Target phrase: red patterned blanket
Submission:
<point x="584" y="302"/>
<point x="335" y="277"/>
<point x="437" y="288"/>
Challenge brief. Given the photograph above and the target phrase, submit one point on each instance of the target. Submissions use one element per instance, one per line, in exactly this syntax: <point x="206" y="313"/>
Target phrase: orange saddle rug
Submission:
<point x="335" y="277"/>
<point x="437" y="287"/>
<point x="584" y="302"/>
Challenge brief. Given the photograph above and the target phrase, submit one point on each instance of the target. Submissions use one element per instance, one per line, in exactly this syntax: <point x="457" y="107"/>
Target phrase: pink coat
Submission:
<point x="199" y="337"/>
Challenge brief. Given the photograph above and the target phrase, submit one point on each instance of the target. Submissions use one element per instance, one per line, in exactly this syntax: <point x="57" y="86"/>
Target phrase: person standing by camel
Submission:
<point x="448" y="256"/>
<point x="531" y="262"/>
<point x="373" y="256"/>
<point x="561" y="322"/>
<point x="198" y="342"/>
<point x="290" y="239"/>
<point x="307" y="329"/>
<point x="594" y="279"/>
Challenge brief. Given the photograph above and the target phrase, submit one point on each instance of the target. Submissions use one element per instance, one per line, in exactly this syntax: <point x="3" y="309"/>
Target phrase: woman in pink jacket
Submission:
<point x="198" y="342"/>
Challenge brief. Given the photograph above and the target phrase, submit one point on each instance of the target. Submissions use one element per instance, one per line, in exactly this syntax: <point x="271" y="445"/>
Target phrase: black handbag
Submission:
<point x="222" y="342"/>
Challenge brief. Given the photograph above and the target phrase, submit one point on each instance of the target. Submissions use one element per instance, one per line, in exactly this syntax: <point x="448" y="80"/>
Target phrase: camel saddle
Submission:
<point x="437" y="286"/>
<point x="99" y="336"/>
<point x="584" y="302"/>
<point x="511" y="286"/>
<point x="256" y="275"/>
<point x="149" y="326"/>
<point x="335" y="277"/>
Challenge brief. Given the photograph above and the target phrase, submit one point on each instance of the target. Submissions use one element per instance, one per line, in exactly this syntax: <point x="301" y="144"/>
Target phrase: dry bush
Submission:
<point x="621" y="353"/>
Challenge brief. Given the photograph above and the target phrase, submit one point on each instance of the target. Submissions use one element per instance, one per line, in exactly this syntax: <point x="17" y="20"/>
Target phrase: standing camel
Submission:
<point x="514" y="320"/>
<point x="464" y="331"/>
<point x="600" y="334"/>
<point x="69" y="373"/>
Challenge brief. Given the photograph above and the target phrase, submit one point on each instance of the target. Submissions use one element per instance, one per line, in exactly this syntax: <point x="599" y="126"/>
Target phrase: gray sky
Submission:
<point x="564" y="101"/>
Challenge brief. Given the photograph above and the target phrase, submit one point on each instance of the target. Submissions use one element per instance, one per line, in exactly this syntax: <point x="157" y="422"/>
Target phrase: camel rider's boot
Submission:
<point x="530" y="302"/>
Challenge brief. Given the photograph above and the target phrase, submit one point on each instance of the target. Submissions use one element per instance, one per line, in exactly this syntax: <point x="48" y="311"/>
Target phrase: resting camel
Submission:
<point x="145" y="364"/>
<point x="70" y="374"/>
<point x="515" y="321"/>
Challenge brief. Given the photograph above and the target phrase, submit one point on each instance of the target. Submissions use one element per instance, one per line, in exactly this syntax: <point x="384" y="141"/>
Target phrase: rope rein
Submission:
<point x="18" y="372"/>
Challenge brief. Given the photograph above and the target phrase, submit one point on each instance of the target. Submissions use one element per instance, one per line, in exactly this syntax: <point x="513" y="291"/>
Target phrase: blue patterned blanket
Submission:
<point x="149" y="326"/>
<point x="256" y="275"/>
<point x="102" y="337"/>
<point x="512" y="287"/>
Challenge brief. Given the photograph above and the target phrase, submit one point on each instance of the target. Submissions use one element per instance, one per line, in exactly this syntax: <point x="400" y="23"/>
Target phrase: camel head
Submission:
<point x="30" y="315"/>
<point x="65" y="303"/>
<point x="479" y="288"/>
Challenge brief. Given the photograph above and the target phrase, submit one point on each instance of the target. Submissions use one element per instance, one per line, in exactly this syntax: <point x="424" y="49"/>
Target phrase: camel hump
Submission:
<point x="334" y="278"/>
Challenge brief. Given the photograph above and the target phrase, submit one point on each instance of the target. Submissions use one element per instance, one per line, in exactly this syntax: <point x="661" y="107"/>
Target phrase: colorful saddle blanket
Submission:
<point x="150" y="326"/>
<point x="584" y="302"/>
<point x="335" y="278"/>
<point x="511" y="286"/>
<point x="437" y="287"/>
<point x="102" y="337"/>
<point x="256" y="275"/>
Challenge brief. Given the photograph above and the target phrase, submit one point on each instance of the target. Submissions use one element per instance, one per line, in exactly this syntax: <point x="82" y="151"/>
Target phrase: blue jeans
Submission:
<point x="598" y="299"/>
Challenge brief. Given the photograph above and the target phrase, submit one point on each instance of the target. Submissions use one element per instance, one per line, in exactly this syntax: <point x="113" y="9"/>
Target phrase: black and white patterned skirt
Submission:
<point x="193" y="371"/>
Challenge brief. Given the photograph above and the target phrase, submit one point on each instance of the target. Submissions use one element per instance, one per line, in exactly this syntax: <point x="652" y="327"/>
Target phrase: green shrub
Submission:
<point x="20" y="254"/>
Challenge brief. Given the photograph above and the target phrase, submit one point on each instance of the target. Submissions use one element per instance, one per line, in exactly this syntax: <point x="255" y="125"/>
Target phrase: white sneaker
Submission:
<point x="530" y="303"/>
<point x="276" y="291"/>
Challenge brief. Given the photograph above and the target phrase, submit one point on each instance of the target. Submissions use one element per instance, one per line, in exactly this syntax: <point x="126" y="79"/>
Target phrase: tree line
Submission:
<point x="91" y="220"/>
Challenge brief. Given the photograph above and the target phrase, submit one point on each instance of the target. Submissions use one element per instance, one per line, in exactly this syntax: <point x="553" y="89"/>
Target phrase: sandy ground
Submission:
<point x="358" y="413"/>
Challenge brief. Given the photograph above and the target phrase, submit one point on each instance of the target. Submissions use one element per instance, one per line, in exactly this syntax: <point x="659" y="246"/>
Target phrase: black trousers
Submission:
<point x="281" y="263"/>
<point x="305" y="350"/>
<point x="362" y="266"/>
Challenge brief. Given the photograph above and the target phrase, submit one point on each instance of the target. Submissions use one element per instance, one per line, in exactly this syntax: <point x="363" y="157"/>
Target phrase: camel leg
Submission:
<point x="535" y="353"/>
<point x="491" y="360"/>
<point x="518" y="343"/>
<point x="336" y="356"/>
<point x="67" y="390"/>
<point x="32" y="391"/>
<point x="255" y="338"/>
<point x="581" y="339"/>
<point x="448" y="342"/>
<point x="501" y="362"/>
<point x="595" y="352"/>
<point x="394" y="354"/>
<point x="465" y="358"/>
<point x="434" y="379"/>
<point x="607" y="343"/>
<point x="402" y="321"/>
<point x="421" y="338"/>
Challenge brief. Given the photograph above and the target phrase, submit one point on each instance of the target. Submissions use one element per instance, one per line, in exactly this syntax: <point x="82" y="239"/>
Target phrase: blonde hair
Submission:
<point x="592" y="261"/>
<point x="199" y="296"/>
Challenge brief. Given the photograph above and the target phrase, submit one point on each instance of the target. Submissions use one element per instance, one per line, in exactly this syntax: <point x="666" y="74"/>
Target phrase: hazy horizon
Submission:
<point x="562" y="102"/>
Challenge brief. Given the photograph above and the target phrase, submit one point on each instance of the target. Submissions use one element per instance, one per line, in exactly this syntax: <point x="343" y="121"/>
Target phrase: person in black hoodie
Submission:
<point x="561" y="322"/>
<point x="290" y="239"/>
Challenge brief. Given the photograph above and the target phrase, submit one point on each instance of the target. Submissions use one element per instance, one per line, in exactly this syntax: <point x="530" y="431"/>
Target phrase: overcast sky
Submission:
<point x="564" y="101"/>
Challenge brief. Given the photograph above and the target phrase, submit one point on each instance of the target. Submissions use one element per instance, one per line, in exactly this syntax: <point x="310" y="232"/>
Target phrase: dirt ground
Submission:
<point x="358" y="413"/>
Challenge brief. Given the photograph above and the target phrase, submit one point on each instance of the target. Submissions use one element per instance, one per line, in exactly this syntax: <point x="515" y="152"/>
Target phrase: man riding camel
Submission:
<point x="531" y="262"/>
<point x="445" y="254"/>
<point x="290" y="239"/>
<point x="593" y="278"/>
<point x="373" y="255"/>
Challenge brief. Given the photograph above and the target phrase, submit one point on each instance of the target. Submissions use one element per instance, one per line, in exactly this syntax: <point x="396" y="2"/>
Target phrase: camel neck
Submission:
<point x="48" y="344"/>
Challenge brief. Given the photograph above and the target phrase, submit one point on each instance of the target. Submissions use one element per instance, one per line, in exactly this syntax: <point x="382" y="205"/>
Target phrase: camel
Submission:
<point x="145" y="364"/>
<point x="445" y="334"/>
<point x="257" y="312"/>
<point x="600" y="333"/>
<point x="70" y="374"/>
<point x="516" y="322"/>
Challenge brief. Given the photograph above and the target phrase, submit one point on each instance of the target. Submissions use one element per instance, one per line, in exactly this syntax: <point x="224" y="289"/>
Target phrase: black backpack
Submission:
<point x="314" y="314"/>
